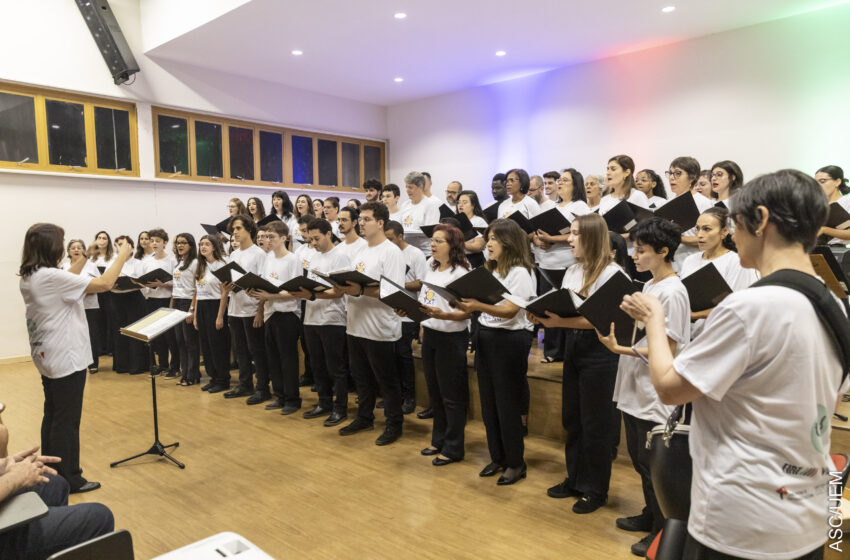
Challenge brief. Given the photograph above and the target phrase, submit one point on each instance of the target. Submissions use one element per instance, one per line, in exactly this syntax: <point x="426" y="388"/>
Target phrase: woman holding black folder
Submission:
<point x="210" y="319"/>
<point x="588" y="412"/>
<point x="467" y="202"/>
<point x="621" y="184"/>
<point x="182" y="298"/>
<point x="503" y="344"/>
<point x="834" y="185"/>
<point x="128" y="306"/>
<point x="445" y="336"/>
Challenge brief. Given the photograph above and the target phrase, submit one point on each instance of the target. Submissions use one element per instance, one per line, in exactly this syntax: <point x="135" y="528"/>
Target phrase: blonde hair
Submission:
<point x="595" y="248"/>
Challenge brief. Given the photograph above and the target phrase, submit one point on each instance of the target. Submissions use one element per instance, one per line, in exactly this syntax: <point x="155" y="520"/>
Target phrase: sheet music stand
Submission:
<point x="147" y="329"/>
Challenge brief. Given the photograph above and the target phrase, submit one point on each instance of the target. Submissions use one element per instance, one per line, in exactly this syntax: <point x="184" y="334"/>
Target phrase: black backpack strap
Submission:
<point x="836" y="323"/>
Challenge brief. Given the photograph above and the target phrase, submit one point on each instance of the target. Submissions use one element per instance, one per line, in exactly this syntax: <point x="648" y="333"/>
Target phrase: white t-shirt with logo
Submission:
<point x="413" y="216"/>
<point x="684" y="251"/>
<point x="277" y="271"/>
<point x="56" y="321"/>
<point x="90" y="271"/>
<point x="560" y="255"/>
<point x="760" y="435"/>
<point x="633" y="391"/>
<point x="324" y="312"/>
<point x="415" y="269"/>
<point x="209" y="287"/>
<point x="427" y="296"/>
<point x="521" y="283"/>
<point x="184" y="280"/>
<point x="367" y="316"/>
<point x="252" y="259"/>
<point x="527" y="206"/>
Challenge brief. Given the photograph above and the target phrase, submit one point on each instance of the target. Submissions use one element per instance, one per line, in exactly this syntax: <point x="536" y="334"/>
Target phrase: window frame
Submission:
<point x="40" y="97"/>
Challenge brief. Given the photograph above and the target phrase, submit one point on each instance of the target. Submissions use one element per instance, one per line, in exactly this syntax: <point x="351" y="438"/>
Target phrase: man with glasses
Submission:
<point x="535" y="188"/>
<point x="452" y="192"/>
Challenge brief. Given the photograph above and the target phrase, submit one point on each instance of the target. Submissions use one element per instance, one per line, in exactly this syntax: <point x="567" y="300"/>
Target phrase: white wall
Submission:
<point x="769" y="96"/>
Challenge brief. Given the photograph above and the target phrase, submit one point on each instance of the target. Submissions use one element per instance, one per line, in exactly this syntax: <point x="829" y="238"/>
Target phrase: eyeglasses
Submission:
<point x="674" y="174"/>
<point x="718" y="175"/>
<point x="512" y="180"/>
<point x="564" y="181"/>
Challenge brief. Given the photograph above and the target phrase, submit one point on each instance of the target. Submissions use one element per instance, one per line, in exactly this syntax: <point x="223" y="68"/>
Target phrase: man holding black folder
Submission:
<point x="373" y="328"/>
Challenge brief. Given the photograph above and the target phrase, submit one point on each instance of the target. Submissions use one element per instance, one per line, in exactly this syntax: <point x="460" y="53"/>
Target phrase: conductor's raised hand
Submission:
<point x="124" y="252"/>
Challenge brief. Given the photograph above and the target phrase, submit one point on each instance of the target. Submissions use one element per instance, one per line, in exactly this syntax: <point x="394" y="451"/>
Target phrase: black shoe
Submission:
<point x="238" y="392"/>
<point x="638" y="523"/>
<point x="390" y="435"/>
<point x="289" y="409"/>
<point x="170" y="374"/>
<point x="588" y="504"/>
<point x="258" y="397"/>
<point x="87" y="487"/>
<point x="563" y="490"/>
<point x="640" y="547"/>
<point x="208" y="386"/>
<point x="317" y="412"/>
<point x="335" y="418"/>
<point x="425" y="414"/>
<point x="428" y="451"/>
<point x="217" y="389"/>
<point x="358" y="425"/>
<point x="440" y="462"/>
<point x="274" y="405"/>
<point x="512" y="475"/>
<point x="408" y="406"/>
<point x="491" y="470"/>
<point x="380" y="404"/>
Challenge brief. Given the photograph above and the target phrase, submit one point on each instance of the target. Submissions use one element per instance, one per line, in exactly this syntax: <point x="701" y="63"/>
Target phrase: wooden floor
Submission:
<point x="296" y="488"/>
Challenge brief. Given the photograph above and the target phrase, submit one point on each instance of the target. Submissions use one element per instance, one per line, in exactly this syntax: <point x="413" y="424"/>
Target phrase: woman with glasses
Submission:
<point x="726" y="179"/>
<point x="762" y="402"/>
<point x="683" y="175"/>
<point x="834" y="185"/>
<point x="594" y="188"/>
<point x="183" y="298"/>
<point x="517" y="184"/>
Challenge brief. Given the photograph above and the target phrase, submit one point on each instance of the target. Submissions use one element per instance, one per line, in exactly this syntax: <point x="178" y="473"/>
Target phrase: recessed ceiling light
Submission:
<point x="398" y="80"/>
<point x="297" y="52"/>
<point x="668" y="9"/>
<point x="400" y="15"/>
<point x="501" y="53"/>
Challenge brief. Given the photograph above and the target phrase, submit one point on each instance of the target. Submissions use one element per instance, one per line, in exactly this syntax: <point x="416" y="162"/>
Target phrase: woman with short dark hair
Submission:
<point x="59" y="340"/>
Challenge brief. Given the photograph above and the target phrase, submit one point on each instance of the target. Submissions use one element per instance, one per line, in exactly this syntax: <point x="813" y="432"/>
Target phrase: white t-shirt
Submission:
<point x="521" y="283"/>
<point x="304" y="254"/>
<point x="415" y="269"/>
<point x="132" y="268"/>
<point x="760" y="435"/>
<point x="367" y="316"/>
<point x="56" y="321"/>
<point x="167" y="264"/>
<point x="335" y="228"/>
<point x="436" y="200"/>
<point x="560" y="255"/>
<point x="478" y="222"/>
<point x="396" y="216"/>
<point x="101" y="261"/>
<point x="351" y="250"/>
<point x="656" y="202"/>
<point x="427" y="296"/>
<point x="326" y="311"/>
<point x="609" y="201"/>
<point x="527" y="206"/>
<point x="277" y="271"/>
<point x="209" y="287"/>
<point x="90" y="271"/>
<point x="546" y="205"/>
<point x="574" y="278"/>
<point x="413" y="216"/>
<point x="252" y="259"/>
<point x="844" y="202"/>
<point x="684" y="251"/>
<point x="184" y="280"/>
<point x="633" y="391"/>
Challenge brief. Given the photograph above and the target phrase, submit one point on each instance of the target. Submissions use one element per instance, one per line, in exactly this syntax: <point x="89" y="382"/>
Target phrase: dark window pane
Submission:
<point x="17" y="128"/>
<point x="241" y="153"/>
<point x="302" y="160"/>
<point x="372" y="162"/>
<point x="112" y="138"/>
<point x="350" y="165"/>
<point x="208" y="149"/>
<point x="173" y="145"/>
<point x="66" y="133"/>
<point x="327" y="163"/>
<point x="271" y="157"/>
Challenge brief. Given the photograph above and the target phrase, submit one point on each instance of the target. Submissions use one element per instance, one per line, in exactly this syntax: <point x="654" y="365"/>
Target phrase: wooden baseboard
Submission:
<point x="15" y="360"/>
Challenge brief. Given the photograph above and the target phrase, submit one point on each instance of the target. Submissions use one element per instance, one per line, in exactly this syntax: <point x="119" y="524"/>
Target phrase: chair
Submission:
<point x="20" y="510"/>
<point x="117" y="545"/>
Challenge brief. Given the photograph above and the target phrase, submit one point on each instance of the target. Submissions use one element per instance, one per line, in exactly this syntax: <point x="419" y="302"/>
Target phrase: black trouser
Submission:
<point x="166" y="343"/>
<point x="502" y="363"/>
<point x="327" y="344"/>
<point x="373" y="368"/>
<point x="444" y="364"/>
<point x="93" y="319"/>
<point x="250" y="344"/>
<point x="308" y="366"/>
<point x="282" y="354"/>
<point x="130" y="355"/>
<point x="553" y="337"/>
<point x="588" y="412"/>
<point x="63" y="527"/>
<point x="526" y="390"/>
<point x="188" y="344"/>
<point x="636" y="429"/>
<point x="694" y="550"/>
<point x="105" y="324"/>
<point x="60" y="426"/>
<point x="404" y="359"/>
<point x="215" y="343"/>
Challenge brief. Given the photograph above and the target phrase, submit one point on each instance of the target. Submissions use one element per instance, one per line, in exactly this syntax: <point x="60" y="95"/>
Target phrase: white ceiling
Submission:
<point x="355" y="48"/>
